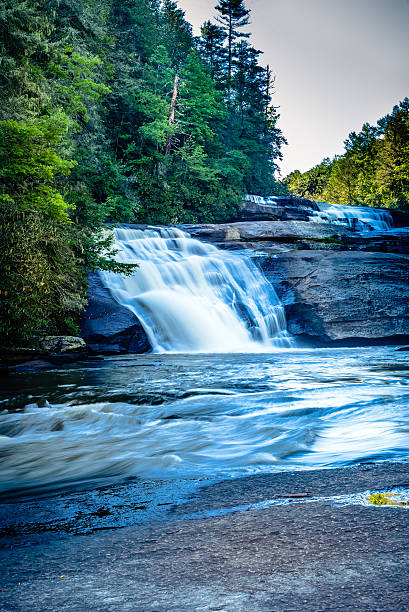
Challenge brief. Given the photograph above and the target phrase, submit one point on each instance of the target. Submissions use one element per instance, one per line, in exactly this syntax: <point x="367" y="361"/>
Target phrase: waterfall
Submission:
<point x="360" y="218"/>
<point x="192" y="297"/>
<point x="262" y="200"/>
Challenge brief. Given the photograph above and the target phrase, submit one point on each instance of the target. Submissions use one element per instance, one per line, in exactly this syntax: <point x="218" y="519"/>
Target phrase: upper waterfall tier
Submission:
<point x="192" y="297"/>
<point x="361" y="218"/>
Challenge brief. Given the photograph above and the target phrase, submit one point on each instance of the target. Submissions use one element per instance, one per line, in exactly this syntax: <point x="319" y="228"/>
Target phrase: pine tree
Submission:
<point x="211" y="48"/>
<point x="233" y="16"/>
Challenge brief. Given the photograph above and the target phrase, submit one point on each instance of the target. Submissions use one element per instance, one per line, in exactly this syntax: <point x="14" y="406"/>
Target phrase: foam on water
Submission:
<point x="188" y="416"/>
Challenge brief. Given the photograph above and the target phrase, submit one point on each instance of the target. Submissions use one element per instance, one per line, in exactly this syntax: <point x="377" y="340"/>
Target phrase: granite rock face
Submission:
<point x="283" y="208"/>
<point x="277" y="208"/>
<point x="264" y="231"/>
<point x="339" y="286"/>
<point x="108" y="327"/>
<point x="343" y="297"/>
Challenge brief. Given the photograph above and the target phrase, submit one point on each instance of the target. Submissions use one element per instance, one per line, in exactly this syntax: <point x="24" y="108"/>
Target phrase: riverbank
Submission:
<point x="220" y="549"/>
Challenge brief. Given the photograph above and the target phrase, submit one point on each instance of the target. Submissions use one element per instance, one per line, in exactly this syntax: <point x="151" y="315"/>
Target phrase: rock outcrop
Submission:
<point x="343" y="297"/>
<point x="278" y="236"/>
<point x="51" y="351"/>
<point x="109" y="327"/>
<point x="267" y="231"/>
<point x="277" y="208"/>
<point x="63" y="345"/>
<point x="256" y="208"/>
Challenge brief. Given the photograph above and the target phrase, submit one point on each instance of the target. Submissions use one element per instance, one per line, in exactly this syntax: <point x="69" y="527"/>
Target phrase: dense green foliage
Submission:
<point x="111" y="110"/>
<point x="374" y="170"/>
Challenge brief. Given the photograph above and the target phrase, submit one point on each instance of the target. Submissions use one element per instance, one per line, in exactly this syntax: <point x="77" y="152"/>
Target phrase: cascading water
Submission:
<point x="359" y="218"/>
<point x="194" y="298"/>
<point x="262" y="200"/>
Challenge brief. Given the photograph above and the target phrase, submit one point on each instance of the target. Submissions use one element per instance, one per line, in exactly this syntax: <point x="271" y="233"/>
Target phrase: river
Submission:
<point x="172" y="416"/>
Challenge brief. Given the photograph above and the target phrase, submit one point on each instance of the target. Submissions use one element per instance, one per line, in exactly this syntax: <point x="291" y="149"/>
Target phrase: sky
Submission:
<point x="338" y="64"/>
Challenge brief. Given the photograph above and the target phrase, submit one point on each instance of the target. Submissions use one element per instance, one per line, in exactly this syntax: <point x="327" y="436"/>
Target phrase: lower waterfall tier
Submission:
<point x="192" y="297"/>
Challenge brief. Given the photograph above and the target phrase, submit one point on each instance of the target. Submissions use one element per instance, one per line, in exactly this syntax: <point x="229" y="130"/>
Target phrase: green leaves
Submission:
<point x="374" y="171"/>
<point x="30" y="164"/>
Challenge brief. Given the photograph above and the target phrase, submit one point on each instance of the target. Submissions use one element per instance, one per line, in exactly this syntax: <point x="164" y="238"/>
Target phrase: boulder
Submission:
<point x="343" y="297"/>
<point x="107" y="326"/>
<point x="50" y="352"/>
<point x="37" y="365"/>
<point x="62" y="344"/>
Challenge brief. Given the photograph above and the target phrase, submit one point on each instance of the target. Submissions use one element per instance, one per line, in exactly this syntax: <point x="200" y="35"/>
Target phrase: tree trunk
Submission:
<point x="172" y="114"/>
<point x="230" y="52"/>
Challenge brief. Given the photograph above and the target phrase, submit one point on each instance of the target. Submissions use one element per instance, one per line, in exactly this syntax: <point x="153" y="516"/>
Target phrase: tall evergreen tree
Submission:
<point x="211" y="48"/>
<point x="233" y="16"/>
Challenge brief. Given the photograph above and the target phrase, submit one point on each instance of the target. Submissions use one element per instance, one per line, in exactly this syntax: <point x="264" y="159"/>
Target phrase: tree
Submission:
<point x="233" y="16"/>
<point x="30" y="165"/>
<point x="392" y="171"/>
<point x="211" y="48"/>
<point x="374" y="170"/>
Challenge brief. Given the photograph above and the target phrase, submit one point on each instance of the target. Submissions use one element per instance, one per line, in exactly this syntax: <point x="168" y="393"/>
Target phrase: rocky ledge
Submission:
<point x="279" y="236"/>
<point x="338" y="286"/>
<point x="343" y="297"/>
<point x="268" y="231"/>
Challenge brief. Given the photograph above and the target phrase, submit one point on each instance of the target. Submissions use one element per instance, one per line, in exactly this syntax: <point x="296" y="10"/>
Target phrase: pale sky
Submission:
<point x="338" y="64"/>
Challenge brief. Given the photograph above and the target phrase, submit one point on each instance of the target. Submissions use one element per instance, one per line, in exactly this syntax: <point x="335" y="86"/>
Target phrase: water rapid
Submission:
<point x="192" y="297"/>
<point x="202" y="416"/>
<point x="359" y="218"/>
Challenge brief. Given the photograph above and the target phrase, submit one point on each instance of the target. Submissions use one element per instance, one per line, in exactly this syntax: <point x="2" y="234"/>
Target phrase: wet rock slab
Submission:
<point x="261" y="231"/>
<point x="300" y="556"/>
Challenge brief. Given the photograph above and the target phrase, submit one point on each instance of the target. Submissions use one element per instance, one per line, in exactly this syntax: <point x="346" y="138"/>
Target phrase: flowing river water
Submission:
<point x="194" y="416"/>
<point x="224" y="393"/>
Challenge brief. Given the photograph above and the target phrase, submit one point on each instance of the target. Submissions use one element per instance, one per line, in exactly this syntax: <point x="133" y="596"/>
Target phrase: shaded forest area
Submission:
<point x="374" y="170"/>
<point x="112" y="111"/>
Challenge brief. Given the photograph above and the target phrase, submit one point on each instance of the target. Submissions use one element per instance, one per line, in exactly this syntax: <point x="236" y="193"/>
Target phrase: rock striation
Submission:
<point x="277" y="208"/>
<point x="267" y="231"/>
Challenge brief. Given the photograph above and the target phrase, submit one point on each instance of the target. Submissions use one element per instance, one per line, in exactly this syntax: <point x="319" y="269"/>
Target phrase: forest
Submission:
<point x="113" y="111"/>
<point x="373" y="171"/>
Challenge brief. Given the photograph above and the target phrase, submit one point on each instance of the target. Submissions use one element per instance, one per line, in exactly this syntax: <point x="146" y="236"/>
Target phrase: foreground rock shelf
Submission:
<point x="308" y="554"/>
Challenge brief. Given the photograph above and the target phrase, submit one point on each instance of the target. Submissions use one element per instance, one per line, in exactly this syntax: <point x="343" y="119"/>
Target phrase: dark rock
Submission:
<point x="278" y="208"/>
<point x="403" y="348"/>
<point x="37" y="365"/>
<point x="53" y="350"/>
<point x="343" y="297"/>
<point x="109" y="328"/>
<point x="3" y="368"/>
<point x="17" y="355"/>
<point x="400" y="217"/>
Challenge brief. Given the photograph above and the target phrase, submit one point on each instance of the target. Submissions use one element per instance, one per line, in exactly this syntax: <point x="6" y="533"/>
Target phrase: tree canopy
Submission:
<point x="374" y="170"/>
